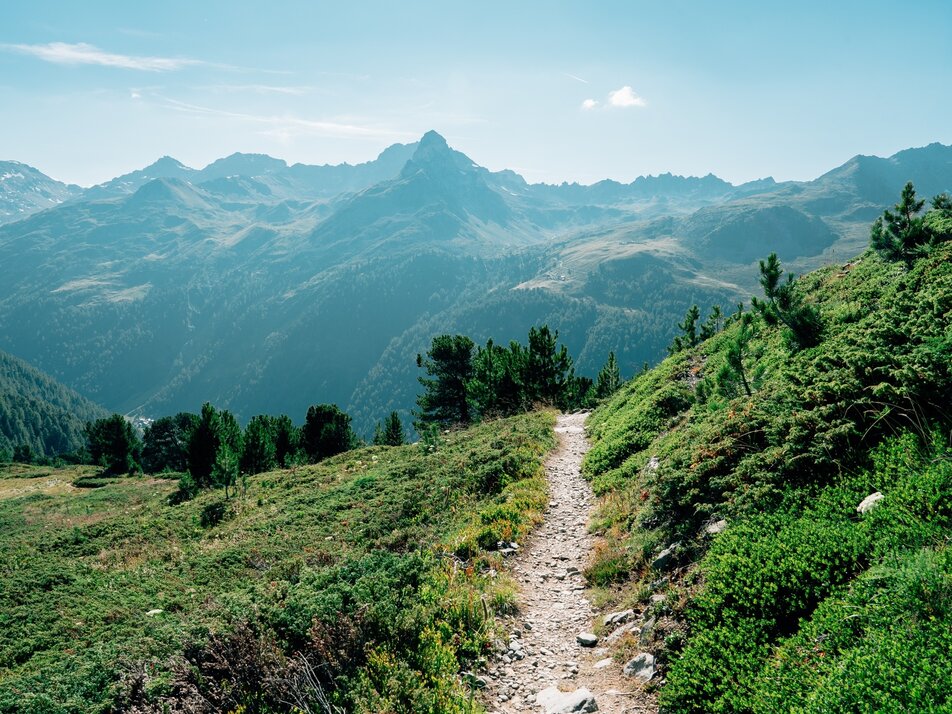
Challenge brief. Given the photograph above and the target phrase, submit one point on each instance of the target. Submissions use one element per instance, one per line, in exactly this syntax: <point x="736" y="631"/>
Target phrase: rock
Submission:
<point x="616" y="618"/>
<point x="869" y="503"/>
<point x="665" y="559"/>
<point x="153" y="613"/>
<point x="715" y="528"/>
<point x="586" y="639"/>
<point x="641" y="667"/>
<point x="602" y="663"/>
<point x="653" y="463"/>
<point x="557" y="702"/>
<point x="647" y="630"/>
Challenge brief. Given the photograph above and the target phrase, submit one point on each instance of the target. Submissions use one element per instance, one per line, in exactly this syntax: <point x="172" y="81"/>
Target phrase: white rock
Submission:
<point x="153" y="613"/>
<point x="586" y="639"/>
<point x="869" y="503"/>
<point x="558" y="702"/>
<point x="602" y="663"/>
<point x="716" y="527"/>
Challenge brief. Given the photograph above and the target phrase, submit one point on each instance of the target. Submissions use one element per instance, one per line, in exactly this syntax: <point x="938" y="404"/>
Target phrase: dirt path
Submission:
<point x="545" y="668"/>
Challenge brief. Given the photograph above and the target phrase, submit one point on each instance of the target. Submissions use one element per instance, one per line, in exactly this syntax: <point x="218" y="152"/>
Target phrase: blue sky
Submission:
<point x="575" y="91"/>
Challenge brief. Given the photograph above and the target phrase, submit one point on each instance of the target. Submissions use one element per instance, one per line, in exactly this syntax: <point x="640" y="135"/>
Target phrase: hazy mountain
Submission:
<point x="39" y="412"/>
<point x="24" y="190"/>
<point x="263" y="178"/>
<point x="265" y="288"/>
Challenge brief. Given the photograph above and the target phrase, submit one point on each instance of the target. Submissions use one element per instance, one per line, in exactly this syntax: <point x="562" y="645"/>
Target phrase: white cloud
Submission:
<point x="589" y="104"/>
<point x="83" y="53"/>
<point x="625" y="97"/>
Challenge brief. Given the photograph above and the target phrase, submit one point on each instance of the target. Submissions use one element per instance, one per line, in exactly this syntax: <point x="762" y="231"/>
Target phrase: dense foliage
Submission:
<point x="462" y="385"/>
<point x="113" y="444"/>
<point x="365" y="581"/>
<point x="750" y="455"/>
<point x="39" y="416"/>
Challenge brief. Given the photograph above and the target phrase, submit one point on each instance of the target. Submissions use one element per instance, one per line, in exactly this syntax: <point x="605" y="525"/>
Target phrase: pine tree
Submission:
<point x="326" y="432"/>
<point x="547" y="367"/>
<point x="287" y="441"/>
<point x="114" y="445"/>
<point x="391" y="434"/>
<point x="258" y="452"/>
<point x="902" y="235"/>
<point x="609" y="378"/>
<point x="449" y="369"/>
<point x="203" y="446"/>
<point x="784" y="304"/>
<point x="688" y="327"/>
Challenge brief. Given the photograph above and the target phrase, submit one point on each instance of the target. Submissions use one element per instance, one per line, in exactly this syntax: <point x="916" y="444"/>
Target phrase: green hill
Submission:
<point x="734" y="519"/>
<point x="365" y="579"/>
<point x="39" y="412"/>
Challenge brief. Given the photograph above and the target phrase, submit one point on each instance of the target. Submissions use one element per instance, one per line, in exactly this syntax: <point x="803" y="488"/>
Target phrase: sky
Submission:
<point x="557" y="91"/>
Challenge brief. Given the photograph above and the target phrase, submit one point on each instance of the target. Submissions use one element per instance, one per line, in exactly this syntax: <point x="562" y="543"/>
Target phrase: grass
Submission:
<point x="373" y="570"/>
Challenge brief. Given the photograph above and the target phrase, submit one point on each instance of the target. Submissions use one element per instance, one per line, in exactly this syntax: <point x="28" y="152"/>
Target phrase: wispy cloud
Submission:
<point x="288" y="127"/>
<point x="257" y="89"/>
<point x="83" y="53"/>
<point x="625" y="97"/>
<point x="577" y="79"/>
<point x="589" y="104"/>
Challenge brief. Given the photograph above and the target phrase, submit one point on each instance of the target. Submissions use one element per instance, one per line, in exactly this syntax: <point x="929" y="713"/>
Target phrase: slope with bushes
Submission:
<point x="366" y="582"/>
<point x="744" y="461"/>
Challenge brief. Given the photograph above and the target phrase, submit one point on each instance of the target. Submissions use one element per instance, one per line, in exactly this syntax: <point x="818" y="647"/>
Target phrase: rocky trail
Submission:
<point x="552" y="662"/>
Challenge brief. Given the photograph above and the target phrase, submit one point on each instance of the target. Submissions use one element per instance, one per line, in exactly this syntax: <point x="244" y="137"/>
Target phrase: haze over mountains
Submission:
<point x="264" y="287"/>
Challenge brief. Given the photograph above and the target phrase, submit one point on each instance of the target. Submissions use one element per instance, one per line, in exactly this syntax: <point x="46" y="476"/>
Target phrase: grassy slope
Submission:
<point x="367" y="569"/>
<point x="801" y="604"/>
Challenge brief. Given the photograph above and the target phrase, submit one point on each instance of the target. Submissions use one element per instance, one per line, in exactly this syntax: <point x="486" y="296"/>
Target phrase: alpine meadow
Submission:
<point x="641" y="405"/>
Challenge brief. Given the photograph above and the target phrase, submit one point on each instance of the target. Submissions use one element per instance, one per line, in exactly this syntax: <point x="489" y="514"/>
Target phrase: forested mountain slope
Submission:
<point x="38" y="412"/>
<point x="782" y="512"/>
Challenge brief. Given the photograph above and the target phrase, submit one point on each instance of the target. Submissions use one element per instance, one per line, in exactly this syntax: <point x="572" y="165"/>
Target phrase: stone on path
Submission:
<point x="586" y="639"/>
<point x="558" y="702"/>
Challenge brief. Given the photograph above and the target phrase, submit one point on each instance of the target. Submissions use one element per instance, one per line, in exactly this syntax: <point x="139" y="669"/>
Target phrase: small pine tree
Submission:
<point x="902" y="235"/>
<point x="609" y="378"/>
<point x="688" y="327"/>
<point x="784" y="304"/>
<point x="712" y="325"/>
<point x="391" y="432"/>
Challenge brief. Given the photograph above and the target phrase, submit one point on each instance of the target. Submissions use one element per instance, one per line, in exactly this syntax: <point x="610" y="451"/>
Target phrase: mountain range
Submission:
<point x="267" y="287"/>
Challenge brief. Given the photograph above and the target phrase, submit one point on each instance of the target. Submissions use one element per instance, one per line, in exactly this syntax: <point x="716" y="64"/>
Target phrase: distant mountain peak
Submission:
<point x="433" y="139"/>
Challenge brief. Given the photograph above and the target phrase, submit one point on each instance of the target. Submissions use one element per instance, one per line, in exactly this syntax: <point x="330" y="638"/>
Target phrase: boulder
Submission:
<point x="666" y="558"/>
<point x="641" y="667"/>
<point x="558" y="702"/>
<point x="715" y="528"/>
<point x="616" y="618"/>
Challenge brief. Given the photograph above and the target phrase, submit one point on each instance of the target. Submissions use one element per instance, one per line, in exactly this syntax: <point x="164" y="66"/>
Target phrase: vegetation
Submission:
<point x="749" y="455"/>
<point x="113" y="444"/>
<point x="367" y="581"/>
<point x="39" y="417"/>
<point x="497" y="381"/>
<point x="165" y="443"/>
<point x="391" y="433"/>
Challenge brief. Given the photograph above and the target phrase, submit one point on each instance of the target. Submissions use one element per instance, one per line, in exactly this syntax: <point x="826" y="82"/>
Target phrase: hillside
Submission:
<point x="365" y="580"/>
<point x="39" y="412"/>
<point x="789" y="549"/>
<point x="265" y="288"/>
